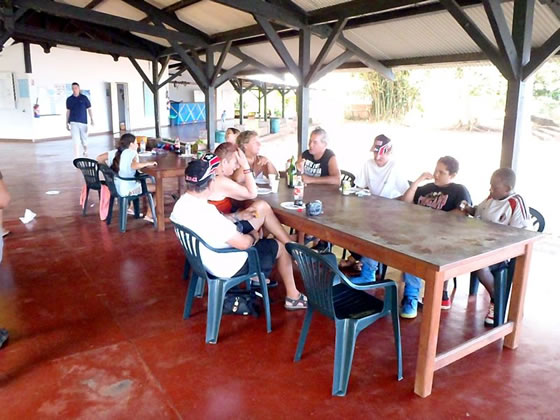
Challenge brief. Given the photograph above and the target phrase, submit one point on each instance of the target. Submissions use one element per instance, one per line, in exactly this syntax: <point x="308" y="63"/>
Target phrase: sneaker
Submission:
<point x="409" y="307"/>
<point x="445" y="301"/>
<point x="489" y="320"/>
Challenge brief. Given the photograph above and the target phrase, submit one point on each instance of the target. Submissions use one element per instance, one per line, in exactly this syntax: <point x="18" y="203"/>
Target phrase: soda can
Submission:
<point x="346" y="187"/>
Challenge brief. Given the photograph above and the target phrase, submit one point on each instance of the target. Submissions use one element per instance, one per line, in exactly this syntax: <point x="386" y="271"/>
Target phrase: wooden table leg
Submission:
<point x="429" y="334"/>
<point x="160" y="205"/>
<point x="300" y="237"/>
<point x="519" y="287"/>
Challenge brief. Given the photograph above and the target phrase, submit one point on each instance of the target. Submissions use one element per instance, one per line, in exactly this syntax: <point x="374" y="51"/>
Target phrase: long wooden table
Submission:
<point x="170" y="165"/>
<point x="432" y="245"/>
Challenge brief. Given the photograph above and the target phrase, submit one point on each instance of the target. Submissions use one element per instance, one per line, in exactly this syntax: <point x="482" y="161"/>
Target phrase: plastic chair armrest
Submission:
<point x="371" y="285"/>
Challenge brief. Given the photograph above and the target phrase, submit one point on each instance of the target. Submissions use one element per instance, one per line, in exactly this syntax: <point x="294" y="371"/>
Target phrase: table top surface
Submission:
<point x="167" y="161"/>
<point x="435" y="237"/>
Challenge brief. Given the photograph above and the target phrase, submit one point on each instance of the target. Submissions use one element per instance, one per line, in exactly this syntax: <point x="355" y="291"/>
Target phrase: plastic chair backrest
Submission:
<point x="347" y="176"/>
<point x="190" y="242"/>
<point x="90" y="171"/>
<point x="537" y="219"/>
<point x="318" y="275"/>
<point x="109" y="176"/>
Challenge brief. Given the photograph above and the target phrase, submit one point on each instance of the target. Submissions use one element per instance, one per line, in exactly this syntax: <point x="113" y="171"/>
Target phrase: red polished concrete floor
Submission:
<point x="96" y="330"/>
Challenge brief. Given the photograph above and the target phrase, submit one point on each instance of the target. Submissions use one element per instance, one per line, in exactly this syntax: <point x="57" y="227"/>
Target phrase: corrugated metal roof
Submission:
<point x="79" y="3"/>
<point x="434" y="34"/>
<point x="161" y="3"/>
<point x="439" y="33"/>
<point x="212" y="17"/>
<point x="120" y="8"/>
<point x="264" y="52"/>
<point x="309" y="5"/>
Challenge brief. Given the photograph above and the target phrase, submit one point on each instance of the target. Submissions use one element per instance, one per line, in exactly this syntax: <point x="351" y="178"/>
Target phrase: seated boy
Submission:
<point x="505" y="207"/>
<point x="442" y="194"/>
<point x="194" y="212"/>
<point x="383" y="176"/>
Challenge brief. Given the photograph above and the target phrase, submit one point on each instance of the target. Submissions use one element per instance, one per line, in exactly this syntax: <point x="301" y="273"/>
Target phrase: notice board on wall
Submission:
<point x="7" y="94"/>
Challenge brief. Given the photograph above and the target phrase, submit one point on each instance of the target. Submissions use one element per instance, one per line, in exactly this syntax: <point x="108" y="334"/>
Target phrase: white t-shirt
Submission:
<point x="125" y="188"/>
<point x="215" y="229"/>
<point x="510" y="211"/>
<point x="386" y="181"/>
<point x="110" y="156"/>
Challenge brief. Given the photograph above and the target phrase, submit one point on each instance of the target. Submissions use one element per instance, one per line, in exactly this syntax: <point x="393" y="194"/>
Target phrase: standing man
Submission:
<point x="4" y="200"/>
<point x="76" y="119"/>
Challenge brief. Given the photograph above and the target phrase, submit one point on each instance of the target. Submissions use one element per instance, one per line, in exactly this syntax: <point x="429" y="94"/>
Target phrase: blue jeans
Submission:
<point x="412" y="286"/>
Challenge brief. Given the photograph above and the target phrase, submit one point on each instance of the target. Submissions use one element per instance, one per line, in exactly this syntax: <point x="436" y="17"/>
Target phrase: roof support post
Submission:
<point x="141" y="73"/>
<point x="195" y="71"/>
<point x="283" y="94"/>
<point x="515" y="114"/>
<point x="155" y="91"/>
<point x="327" y="46"/>
<point x="240" y="103"/>
<point x="27" y="58"/>
<point x="229" y="73"/>
<point x="302" y="100"/>
<point x="502" y="34"/>
<point x="541" y="54"/>
<point x="478" y="37"/>
<point x="332" y="65"/>
<point x="279" y="47"/>
<point x="179" y="72"/>
<point x="210" y="101"/>
<point x="265" y="94"/>
<point x="163" y="67"/>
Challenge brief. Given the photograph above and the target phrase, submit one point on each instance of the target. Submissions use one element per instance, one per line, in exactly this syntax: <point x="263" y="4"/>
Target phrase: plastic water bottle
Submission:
<point x="298" y="191"/>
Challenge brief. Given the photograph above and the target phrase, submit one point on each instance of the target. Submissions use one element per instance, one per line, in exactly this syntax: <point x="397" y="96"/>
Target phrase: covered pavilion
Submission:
<point x="219" y="41"/>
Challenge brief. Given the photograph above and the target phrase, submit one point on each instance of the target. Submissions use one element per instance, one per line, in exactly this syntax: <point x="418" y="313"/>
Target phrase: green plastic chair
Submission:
<point x="331" y="293"/>
<point x="503" y="276"/>
<point x="217" y="287"/>
<point x="110" y="177"/>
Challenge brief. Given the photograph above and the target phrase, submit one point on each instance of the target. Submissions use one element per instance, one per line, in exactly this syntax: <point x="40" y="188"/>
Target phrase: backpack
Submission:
<point x="241" y="302"/>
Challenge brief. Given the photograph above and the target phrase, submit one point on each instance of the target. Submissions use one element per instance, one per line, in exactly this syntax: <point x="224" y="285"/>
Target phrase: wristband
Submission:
<point x="247" y="171"/>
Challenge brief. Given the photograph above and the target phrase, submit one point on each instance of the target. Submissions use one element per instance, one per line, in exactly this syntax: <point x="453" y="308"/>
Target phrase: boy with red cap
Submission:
<point x="383" y="177"/>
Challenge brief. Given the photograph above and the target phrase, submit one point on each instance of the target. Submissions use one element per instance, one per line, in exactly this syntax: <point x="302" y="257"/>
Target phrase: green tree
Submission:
<point x="390" y="100"/>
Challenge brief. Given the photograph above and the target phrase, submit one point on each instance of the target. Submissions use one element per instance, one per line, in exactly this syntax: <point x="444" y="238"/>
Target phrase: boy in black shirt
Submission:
<point x="442" y="194"/>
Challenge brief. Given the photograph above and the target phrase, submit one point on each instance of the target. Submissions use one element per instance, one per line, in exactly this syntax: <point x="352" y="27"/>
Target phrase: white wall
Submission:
<point x="92" y="71"/>
<point x="16" y="123"/>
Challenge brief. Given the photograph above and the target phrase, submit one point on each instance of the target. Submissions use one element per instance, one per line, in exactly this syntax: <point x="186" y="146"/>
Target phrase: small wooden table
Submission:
<point x="170" y="165"/>
<point x="433" y="245"/>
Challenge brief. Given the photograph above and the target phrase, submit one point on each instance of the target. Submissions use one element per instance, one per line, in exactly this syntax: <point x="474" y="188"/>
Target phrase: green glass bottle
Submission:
<point x="291" y="172"/>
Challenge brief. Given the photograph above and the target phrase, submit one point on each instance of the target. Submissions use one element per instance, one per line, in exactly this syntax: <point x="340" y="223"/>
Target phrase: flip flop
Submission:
<point x="5" y="233"/>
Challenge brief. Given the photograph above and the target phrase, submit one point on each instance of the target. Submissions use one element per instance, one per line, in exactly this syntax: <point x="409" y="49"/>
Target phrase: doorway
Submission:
<point x="120" y="107"/>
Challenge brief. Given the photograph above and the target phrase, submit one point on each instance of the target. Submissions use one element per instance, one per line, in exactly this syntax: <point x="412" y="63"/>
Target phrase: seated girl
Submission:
<point x="125" y="164"/>
<point x="228" y="194"/>
<point x="261" y="167"/>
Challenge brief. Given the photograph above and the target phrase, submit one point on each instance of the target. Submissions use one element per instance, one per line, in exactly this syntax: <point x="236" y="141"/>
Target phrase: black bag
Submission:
<point x="241" y="302"/>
